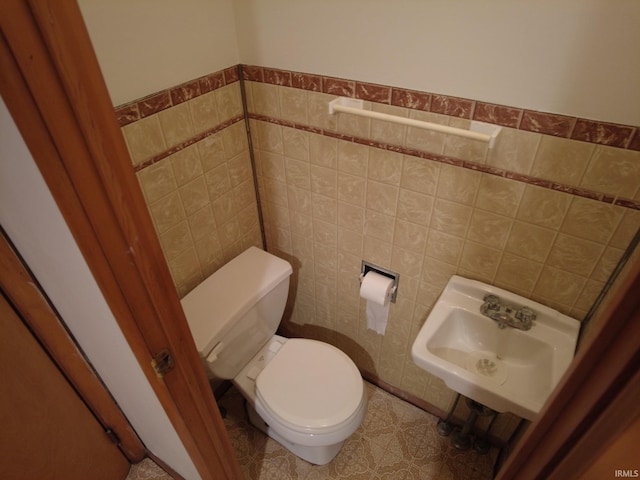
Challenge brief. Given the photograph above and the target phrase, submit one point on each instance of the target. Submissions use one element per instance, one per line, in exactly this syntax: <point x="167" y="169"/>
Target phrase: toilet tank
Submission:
<point x="236" y="310"/>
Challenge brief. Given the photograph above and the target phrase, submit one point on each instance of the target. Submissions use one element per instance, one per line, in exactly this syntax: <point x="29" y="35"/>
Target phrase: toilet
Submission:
<point x="305" y="394"/>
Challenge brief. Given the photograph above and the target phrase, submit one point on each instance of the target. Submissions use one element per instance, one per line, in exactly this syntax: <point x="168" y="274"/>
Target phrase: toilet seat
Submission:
<point x="310" y="387"/>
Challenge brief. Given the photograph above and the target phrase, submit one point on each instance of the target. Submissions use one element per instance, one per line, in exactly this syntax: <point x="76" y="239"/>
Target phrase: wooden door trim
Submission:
<point x="26" y="297"/>
<point x="53" y="88"/>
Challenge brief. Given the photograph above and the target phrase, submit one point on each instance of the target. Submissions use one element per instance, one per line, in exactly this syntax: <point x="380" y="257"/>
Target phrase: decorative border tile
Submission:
<point x="550" y="124"/>
<point x="602" y="133"/>
<point x="159" y="101"/>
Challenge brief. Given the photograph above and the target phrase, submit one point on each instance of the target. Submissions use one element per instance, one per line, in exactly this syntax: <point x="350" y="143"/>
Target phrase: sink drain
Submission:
<point x="488" y="366"/>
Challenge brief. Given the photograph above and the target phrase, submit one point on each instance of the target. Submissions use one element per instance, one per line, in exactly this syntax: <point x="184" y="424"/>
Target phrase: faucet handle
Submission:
<point x="492" y="302"/>
<point x="526" y="315"/>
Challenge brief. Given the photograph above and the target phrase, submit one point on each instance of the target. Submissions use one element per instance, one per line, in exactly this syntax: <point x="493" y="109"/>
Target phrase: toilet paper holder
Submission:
<point x="366" y="267"/>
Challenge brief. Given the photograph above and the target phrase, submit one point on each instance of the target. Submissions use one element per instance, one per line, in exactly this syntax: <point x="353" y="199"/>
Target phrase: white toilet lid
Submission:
<point x="310" y="384"/>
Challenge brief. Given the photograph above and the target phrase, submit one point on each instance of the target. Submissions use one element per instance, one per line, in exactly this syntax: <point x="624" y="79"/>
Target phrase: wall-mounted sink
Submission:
<point x="506" y="369"/>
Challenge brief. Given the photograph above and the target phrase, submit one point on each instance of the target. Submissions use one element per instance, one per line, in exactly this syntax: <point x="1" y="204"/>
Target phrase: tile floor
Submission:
<point x="396" y="441"/>
<point x="147" y="469"/>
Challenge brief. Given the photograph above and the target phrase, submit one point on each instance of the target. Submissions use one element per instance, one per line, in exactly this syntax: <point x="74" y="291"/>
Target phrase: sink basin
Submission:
<point x="508" y="370"/>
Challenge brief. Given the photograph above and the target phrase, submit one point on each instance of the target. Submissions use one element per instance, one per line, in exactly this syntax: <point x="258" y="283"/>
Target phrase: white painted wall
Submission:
<point x="574" y="57"/>
<point x="144" y="46"/>
<point x="34" y="224"/>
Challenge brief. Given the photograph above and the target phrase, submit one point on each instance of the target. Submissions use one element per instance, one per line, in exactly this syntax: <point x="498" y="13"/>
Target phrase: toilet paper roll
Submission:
<point x="376" y="289"/>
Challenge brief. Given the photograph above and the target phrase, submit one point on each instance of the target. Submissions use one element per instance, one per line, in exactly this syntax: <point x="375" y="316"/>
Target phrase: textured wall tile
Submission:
<point x="167" y="212"/>
<point x="323" y="151"/>
<point x="202" y="223"/>
<point x="591" y="220"/>
<point x="350" y="216"/>
<point x="273" y="166"/>
<point x="420" y="175"/>
<point x="388" y="132"/>
<point x="613" y="171"/>
<point x="228" y="102"/>
<point x="351" y="189"/>
<point x="319" y="113"/>
<point x="324" y="181"/>
<point x="145" y="139"/>
<point x="382" y="198"/>
<point x="629" y="225"/>
<point x="379" y="226"/>
<point x="270" y="136"/>
<point x="350" y="241"/>
<point x="457" y="184"/>
<point x="298" y="173"/>
<point x="211" y="150"/>
<point x="177" y="125"/>
<point x="574" y="255"/>
<point x="450" y="217"/>
<point x="185" y="271"/>
<point x="517" y="273"/>
<point x="561" y="160"/>
<point x="194" y="195"/>
<point x="353" y="158"/>
<point x="176" y="240"/>
<point x="296" y="144"/>
<point x="293" y="104"/>
<point x="543" y="207"/>
<point x="410" y="236"/>
<point x="324" y="208"/>
<point x="515" y="150"/>
<point x="414" y="207"/>
<point x="204" y="112"/>
<point x="223" y="208"/>
<point x="157" y="180"/>
<point x="426" y="140"/>
<point x="331" y="200"/>
<point x="489" y="229"/>
<point x="559" y="286"/>
<point x="240" y="168"/>
<point x="607" y="262"/>
<point x="499" y="195"/>
<point x="530" y="241"/>
<point x="480" y="259"/>
<point x="218" y="181"/>
<point x="299" y="200"/>
<point x="444" y="247"/>
<point x="234" y="139"/>
<point x="385" y="166"/>
<point x="265" y="99"/>
<point x="377" y="251"/>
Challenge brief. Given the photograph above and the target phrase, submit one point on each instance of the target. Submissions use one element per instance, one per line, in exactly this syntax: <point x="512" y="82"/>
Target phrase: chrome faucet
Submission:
<point x="507" y="315"/>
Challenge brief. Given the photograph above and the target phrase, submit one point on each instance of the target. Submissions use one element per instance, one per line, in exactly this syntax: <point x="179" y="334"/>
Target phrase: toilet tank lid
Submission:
<point x="227" y="294"/>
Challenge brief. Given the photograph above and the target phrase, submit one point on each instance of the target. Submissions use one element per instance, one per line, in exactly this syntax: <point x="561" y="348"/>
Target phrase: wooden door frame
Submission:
<point x="51" y="83"/>
<point x="53" y="88"/>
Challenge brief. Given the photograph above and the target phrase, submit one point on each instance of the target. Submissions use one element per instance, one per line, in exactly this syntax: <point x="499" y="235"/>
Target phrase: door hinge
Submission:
<point x="162" y="363"/>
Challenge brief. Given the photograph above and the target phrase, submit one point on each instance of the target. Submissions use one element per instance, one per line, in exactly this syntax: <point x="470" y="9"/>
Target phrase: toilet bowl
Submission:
<point x="305" y="394"/>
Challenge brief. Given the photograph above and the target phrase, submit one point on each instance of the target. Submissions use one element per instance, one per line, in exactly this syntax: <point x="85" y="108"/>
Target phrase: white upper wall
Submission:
<point x="573" y="57"/>
<point x="144" y="46"/>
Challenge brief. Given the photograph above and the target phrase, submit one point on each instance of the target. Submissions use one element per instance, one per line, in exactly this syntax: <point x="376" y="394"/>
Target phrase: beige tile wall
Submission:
<point x="330" y="203"/>
<point x="202" y="197"/>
